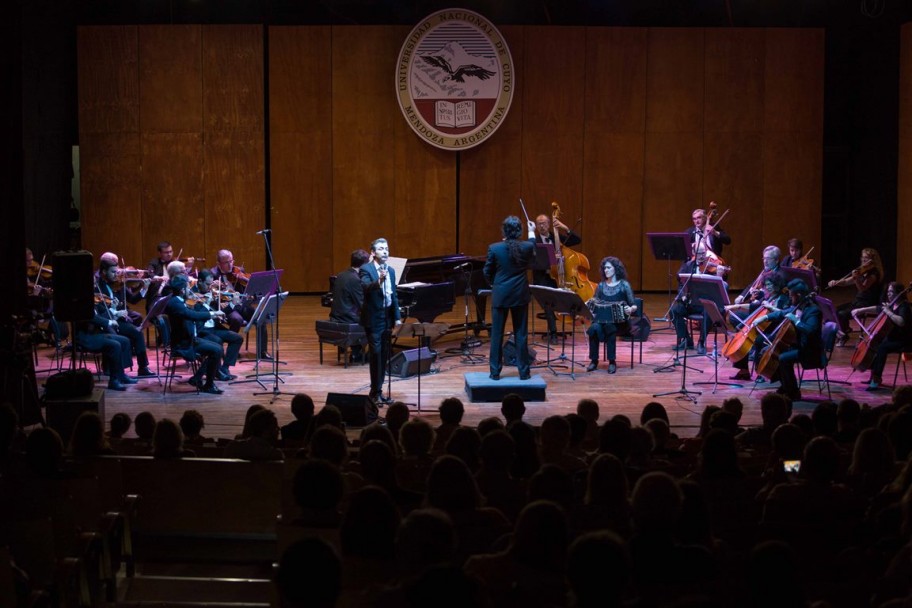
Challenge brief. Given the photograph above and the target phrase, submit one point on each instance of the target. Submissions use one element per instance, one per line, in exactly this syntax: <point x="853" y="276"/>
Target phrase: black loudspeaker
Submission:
<point x="74" y="286"/>
<point x="509" y="352"/>
<point x="357" y="410"/>
<point x="405" y="363"/>
<point x="62" y="414"/>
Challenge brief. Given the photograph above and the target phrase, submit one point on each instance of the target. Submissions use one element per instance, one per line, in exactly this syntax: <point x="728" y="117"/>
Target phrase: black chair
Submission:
<point x="828" y="336"/>
<point x="341" y="335"/>
<point x="625" y="333"/>
<point x="170" y="354"/>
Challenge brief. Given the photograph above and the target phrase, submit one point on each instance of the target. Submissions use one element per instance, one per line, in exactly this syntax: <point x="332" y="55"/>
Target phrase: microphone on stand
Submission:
<point x="264" y="231"/>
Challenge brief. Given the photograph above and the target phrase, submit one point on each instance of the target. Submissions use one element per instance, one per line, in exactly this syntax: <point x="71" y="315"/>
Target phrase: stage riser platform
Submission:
<point x="481" y="389"/>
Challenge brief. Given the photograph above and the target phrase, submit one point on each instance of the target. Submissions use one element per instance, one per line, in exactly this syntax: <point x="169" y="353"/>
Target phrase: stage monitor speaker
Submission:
<point x="509" y="352"/>
<point x="405" y="363"/>
<point x="357" y="410"/>
<point x="74" y="286"/>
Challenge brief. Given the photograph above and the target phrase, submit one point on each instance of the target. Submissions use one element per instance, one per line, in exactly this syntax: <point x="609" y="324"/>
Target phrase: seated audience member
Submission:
<point x="192" y="424"/>
<point x="309" y="575"/>
<point x="416" y="438"/>
<point x="775" y="409"/>
<point x="451" y="412"/>
<point x="553" y="484"/>
<point x="735" y="407"/>
<point x="512" y="408"/>
<point x="397" y="414"/>
<point x="88" y="438"/>
<point x="378" y="467"/>
<point x="489" y="425"/>
<point x="873" y="464"/>
<point x="44" y="454"/>
<point x="614" y="438"/>
<point x="465" y="444"/>
<point x="501" y="490"/>
<point x="367" y="534"/>
<point x="599" y="570"/>
<point x="554" y="436"/>
<point x="144" y="425"/>
<point x="848" y="421"/>
<point x="378" y="432"/>
<point x="253" y="409"/>
<point x="527" y="458"/>
<point x="578" y="428"/>
<point x="329" y="443"/>
<point x="318" y="489"/>
<point x="330" y="415"/>
<point x="299" y="430"/>
<point x="605" y="503"/>
<point x="825" y="419"/>
<point x="120" y="424"/>
<point x="168" y="441"/>
<point x="530" y="571"/>
<point x="260" y="441"/>
<point x="773" y="577"/>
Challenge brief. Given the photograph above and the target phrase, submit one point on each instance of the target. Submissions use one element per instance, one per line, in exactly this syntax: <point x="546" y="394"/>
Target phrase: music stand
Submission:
<point x="568" y="303"/>
<point x="808" y="276"/>
<point x="718" y="321"/>
<point x="670" y="246"/>
<point x="265" y="312"/>
<point x="157" y="308"/>
<point x="544" y="259"/>
<point x="426" y="333"/>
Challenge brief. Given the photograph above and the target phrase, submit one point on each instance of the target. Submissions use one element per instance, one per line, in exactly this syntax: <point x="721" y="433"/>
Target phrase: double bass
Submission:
<point x="874" y="334"/>
<point x="572" y="267"/>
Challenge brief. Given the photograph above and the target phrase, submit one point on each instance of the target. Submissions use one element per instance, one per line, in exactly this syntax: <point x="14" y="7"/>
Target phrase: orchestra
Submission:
<point x="211" y="307"/>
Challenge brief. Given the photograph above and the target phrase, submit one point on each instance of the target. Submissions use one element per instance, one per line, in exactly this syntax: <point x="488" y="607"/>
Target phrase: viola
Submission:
<point x="237" y="277"/>
<point x="572" y="268"/>
<point x="875" y="333"/>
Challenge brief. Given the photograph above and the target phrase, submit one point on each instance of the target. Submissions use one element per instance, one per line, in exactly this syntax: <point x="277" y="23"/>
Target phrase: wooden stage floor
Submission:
<point x="625" y="392"/>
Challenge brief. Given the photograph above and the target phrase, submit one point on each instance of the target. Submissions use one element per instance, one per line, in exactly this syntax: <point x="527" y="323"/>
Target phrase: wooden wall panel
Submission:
<point x="615" y="110"/>
<point x="111" y="191"/>
<point x="170" y="71"/>
<point x="553" y="121"/>
<point x="110" y="159"/>
<point x="734" y="79"/>
<point x="108" y="79"/>
<point x="904" y="186"/>
<point x="673" y="180"/>
<point x="364" y="119"/>
<point x="172" y="193"/>
<point x="300" y="123"/>
<point x="234" y="163"/>
<point x="490" y="175"/>
<point x="793" y="97"/>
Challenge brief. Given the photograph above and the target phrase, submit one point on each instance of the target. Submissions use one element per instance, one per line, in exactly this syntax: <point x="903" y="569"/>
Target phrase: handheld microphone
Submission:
<point x="463" y="265"/>
<point x="264" y="231"/>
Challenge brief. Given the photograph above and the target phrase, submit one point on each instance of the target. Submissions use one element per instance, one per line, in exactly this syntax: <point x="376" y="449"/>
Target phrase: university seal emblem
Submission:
<point x="454" y="79"/>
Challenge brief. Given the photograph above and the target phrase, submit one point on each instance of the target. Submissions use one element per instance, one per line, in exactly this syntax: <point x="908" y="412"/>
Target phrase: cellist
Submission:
<point x="808" y="349"/>
<point x="899" y="340"/>
<point x="544" y="234"/>
<point x="773" y="296"/>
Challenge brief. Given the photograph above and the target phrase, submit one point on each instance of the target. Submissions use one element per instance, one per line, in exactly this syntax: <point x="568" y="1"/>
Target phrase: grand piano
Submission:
<point x="443" y="281"/>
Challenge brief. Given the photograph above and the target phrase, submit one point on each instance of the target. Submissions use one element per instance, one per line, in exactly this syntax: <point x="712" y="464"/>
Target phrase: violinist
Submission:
<point x="708" y="240"/>
<point x="896" y="307"/>
<point x="614" y="288"/>
<point x="867" y="280"/>
<point x="211" y="329"/>
<point x="772" y="296"/>
<point x="770" y="264"/>
<point x="130" y="284"/>
<point x="233" y="278"/>
<point x="100" y="336"/>
<point x="157" y="269"/>
<point x="184" y="335"/>
<point x="115" y="308"/>
<point x="807" y="317"/>
<point x="544" y="234"/>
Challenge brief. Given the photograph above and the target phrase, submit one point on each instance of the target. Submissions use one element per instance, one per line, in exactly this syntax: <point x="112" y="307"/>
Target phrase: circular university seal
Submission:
<point x="454" y="79"/>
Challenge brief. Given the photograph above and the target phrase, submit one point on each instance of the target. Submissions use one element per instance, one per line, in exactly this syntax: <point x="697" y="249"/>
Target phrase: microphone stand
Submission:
<point x="682" y="345"/>
<point x="275" y="329"/>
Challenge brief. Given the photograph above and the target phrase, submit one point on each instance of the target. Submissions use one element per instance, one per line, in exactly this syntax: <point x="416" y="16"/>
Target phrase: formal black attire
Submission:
<point x="808" y="350"/>
<point x="238" y="315"/>
<point x="125" y="325"/>
<point x="899" y="340"/>
<point x="543" y="276"/>
<point x="156" y="268"/>
<point x="211" y="330"/>
<point x="780" y="301"/>
<point x="606" y="330"/>
<point x="98" y="336"/>
<point x="380" y="313"/>
<point x="866" y="296"/>
<point x="510" y="295"/>
<point x="185" y="340"/>
<point x="682" y="309"/>
<point x="348" y="297"/>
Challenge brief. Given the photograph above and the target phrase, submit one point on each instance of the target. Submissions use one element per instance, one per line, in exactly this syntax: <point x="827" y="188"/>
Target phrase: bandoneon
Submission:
<point x="607" y="312"/>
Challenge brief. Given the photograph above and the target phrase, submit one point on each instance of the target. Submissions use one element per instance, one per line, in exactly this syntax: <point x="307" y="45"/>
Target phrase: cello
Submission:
<point x="741" y="343"/>
<point x="784" y="339"/>
<point x="874" y="334"/>
<point x="572" y="267"/>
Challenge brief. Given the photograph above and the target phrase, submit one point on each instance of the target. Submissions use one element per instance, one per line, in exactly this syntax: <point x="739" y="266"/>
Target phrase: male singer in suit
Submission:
<point x="380" y="312"/>
<point x="505" y="269"/>
<point x="544" y="235"/>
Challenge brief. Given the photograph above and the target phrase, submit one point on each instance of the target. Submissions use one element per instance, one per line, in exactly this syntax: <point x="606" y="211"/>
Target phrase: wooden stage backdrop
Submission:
<point x="204" y="134"/>
<point x="625" y="392"/>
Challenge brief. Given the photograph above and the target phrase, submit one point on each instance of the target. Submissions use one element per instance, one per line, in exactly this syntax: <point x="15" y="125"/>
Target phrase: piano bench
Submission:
<point x="342" y="335"/>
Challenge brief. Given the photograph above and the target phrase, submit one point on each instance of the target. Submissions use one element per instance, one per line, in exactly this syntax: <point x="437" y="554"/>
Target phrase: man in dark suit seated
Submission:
<point x="543" y="233"/>
<point x="348" y="296"/>
<point x="505" y="269"/>
<point x="184" y="335"/>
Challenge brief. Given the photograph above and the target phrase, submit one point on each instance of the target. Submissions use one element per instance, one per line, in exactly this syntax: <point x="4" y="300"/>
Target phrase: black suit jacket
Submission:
<point x="348" y="297"/>
<point x="373" y="315"/>
<point x="543" y="276"/>
<point x="713" y="242"/>
<point x="507" y="278"/>
<point x="183" y="322"/>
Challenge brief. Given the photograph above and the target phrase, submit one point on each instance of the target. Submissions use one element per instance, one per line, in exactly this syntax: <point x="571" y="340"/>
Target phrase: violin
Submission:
<point x="804" y="262"/>
<point x="862" y="269"/>
<point x="237" y="277"/>
<point x="572" y="268"/>
<point x="40" y="271"/>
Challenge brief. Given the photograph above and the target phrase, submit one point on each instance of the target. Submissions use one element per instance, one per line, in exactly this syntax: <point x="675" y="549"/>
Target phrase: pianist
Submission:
<point x="381" y="312"/>
<point x="347" y="294"/>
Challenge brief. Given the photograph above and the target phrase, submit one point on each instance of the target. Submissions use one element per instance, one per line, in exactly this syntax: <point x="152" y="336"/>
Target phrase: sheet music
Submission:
<point x="398" y="265"/>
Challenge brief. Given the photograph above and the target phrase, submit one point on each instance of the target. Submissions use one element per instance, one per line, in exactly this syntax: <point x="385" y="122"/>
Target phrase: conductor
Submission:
<point x="505" y="269"/>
